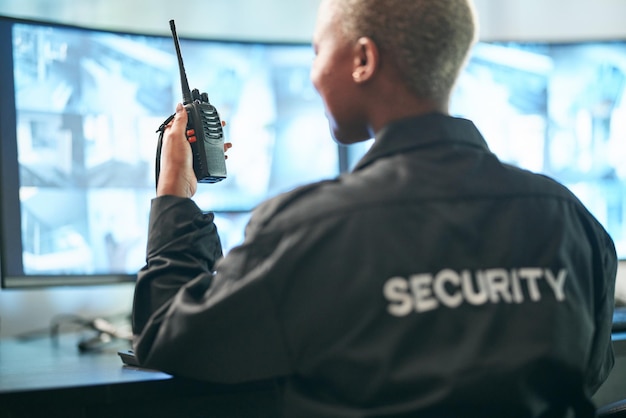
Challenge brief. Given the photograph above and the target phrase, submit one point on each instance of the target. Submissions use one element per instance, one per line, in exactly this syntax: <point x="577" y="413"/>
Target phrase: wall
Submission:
<point x="27" y="310"/>
<point x="294" y="20"/>
<point x="239" y="19"/>
<point x="552" y="20"/>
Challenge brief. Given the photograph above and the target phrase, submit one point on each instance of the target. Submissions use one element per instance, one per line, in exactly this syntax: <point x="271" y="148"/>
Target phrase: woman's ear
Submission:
<point x="366" y="60"/>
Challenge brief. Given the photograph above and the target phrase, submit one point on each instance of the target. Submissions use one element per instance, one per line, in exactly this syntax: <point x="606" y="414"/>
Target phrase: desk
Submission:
<point x="44" y="378"/>
<point x="52" y="378"/>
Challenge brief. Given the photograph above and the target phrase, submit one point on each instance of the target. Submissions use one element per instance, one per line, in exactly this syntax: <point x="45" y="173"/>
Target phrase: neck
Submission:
<point x="390" y="108"/>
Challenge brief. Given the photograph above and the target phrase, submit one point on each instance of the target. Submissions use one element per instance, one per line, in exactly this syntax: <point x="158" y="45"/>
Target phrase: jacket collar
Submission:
<point x="423" y="131"/>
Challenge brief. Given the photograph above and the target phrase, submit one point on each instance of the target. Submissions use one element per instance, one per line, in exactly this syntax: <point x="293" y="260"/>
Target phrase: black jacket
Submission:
<point x="433" y="278"/>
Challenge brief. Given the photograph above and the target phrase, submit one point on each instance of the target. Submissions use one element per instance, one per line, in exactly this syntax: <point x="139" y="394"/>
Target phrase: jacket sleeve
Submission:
<point x="602" y="356"/>
<point x="190" y="322"/>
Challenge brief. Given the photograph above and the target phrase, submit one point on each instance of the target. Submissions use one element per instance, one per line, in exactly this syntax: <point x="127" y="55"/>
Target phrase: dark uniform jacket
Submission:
<point x="432" y="278"/>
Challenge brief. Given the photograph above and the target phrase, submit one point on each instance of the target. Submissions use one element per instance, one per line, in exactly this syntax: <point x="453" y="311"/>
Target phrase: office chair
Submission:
<point x="613" y="410"/>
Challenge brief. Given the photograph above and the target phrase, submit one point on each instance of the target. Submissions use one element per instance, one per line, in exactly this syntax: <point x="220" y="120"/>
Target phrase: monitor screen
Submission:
<point x="78" y="119"/>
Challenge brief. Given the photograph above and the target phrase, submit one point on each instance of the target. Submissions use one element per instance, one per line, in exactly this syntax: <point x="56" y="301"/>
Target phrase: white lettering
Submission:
<point x="451" y="300"/>
<point x="396" y="291"/>
<point x="532" y="275"/>
<point x="425" y="292"/>
<point x="421" y="285"/>
<point x="497" y="281"/>
<point x="516" y="288"/>
<point x="557" y="283"/>
<point x="474" y="297"/>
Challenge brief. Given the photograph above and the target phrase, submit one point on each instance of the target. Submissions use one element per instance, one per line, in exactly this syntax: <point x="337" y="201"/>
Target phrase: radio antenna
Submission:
<point x="181" y="67"/>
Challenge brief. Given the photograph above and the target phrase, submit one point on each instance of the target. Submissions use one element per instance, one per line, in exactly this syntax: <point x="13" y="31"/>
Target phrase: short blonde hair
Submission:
<point x="429" y="40"/>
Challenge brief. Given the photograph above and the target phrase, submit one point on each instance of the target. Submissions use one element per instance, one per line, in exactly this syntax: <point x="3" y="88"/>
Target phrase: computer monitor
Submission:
<point x="79" y="112"/>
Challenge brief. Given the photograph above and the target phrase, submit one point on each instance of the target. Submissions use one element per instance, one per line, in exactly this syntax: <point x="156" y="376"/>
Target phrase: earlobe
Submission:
<point x="366" y="60"/>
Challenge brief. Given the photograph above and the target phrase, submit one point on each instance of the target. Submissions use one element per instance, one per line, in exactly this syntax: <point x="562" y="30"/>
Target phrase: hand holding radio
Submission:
<point x="177" y="176"/>
<point x="204" y="132"/>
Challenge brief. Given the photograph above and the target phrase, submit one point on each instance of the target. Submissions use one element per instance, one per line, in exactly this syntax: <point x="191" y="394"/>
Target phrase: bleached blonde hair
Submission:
<point x="429" y="40"/>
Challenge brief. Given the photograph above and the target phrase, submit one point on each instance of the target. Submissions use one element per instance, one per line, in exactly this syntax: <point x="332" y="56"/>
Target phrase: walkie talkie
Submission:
<point x="204" y="129"/>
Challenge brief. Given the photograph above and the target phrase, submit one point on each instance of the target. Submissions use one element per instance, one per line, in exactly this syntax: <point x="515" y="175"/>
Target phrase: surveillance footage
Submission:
<point x="88" y="106"/>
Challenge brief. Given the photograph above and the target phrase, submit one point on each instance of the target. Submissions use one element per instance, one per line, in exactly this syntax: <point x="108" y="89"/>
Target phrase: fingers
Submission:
<point x="227" y="145"/>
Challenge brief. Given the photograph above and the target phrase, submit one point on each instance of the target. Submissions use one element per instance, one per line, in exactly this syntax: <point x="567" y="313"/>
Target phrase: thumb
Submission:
<point x="180" y="117"/>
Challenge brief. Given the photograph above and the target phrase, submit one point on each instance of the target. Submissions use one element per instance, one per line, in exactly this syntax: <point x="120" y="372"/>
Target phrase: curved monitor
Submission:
<point x="78" y="116"/>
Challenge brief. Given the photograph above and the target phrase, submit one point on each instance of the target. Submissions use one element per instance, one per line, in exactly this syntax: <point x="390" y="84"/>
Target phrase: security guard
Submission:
<point x="432" y="281"/>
